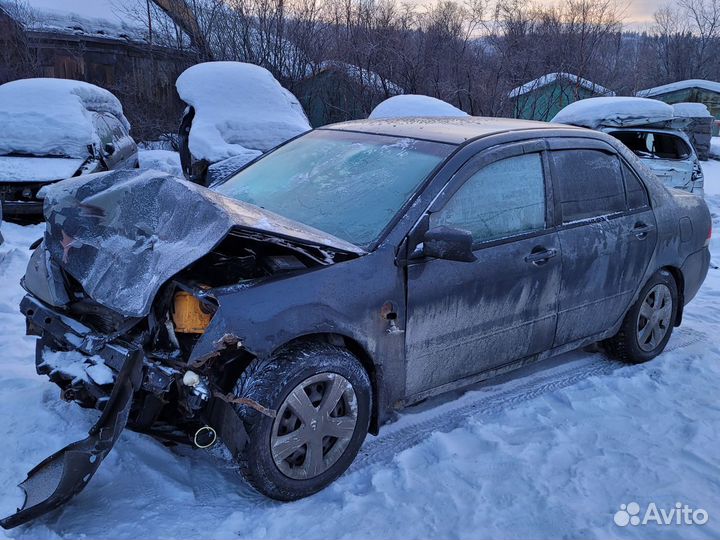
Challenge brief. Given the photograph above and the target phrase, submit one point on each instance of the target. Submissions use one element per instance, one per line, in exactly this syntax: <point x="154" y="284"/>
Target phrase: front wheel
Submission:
<point x="649" y="323"/>
<point x="323" y="398"/>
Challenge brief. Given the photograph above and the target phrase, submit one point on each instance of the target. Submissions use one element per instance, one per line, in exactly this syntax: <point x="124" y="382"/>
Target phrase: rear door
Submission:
<point x="607" y="232"/>
<point x="464" y="318"/>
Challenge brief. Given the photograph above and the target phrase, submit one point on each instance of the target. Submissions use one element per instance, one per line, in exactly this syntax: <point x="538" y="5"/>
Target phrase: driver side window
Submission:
<point x="505" y="198"/>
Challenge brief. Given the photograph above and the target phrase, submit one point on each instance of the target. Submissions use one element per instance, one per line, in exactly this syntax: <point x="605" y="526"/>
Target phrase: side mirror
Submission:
<point x="449" y="243"/>
<point x="109" y="148"/>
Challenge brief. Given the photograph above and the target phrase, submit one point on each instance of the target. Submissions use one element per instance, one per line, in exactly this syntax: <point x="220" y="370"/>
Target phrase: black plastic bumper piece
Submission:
<point x="63" y="475"/>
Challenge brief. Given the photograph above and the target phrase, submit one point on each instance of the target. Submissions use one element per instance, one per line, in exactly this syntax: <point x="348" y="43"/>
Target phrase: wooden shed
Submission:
<point x="336" y="92"/>
<point x="544" y="97"/>
<point x="689" y="91"/>
<point x="115" y="56"/>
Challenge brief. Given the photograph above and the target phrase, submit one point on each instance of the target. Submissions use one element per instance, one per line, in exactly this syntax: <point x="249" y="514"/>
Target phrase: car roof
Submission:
<point x="451" y="129"/>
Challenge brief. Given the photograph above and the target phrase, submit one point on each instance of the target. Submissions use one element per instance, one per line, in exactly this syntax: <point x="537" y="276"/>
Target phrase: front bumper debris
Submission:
<point x="129" y="382"/>
<point x="66" y="473"/>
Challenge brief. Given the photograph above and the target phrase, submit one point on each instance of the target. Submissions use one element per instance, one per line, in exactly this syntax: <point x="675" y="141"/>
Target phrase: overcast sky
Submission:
<point x="636" y="11"/>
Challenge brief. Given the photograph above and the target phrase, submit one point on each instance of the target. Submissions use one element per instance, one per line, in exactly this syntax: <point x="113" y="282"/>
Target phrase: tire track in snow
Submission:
<point x="385" y="447"/>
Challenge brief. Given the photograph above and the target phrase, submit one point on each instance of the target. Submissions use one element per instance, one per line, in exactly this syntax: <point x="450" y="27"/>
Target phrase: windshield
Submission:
<point x="350" y="185"/>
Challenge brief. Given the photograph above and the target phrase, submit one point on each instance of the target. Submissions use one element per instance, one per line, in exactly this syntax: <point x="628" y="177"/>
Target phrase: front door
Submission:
<point x="468" y="317"/>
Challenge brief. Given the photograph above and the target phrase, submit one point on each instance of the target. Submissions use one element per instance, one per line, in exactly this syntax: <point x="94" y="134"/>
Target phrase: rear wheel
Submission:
<point x="649" y="323"/>
<point x="322" y="398"/>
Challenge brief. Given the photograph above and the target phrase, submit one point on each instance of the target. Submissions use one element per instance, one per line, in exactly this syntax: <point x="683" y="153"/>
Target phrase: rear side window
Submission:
<point x="116" y="127"/>
<point x="503" y="199"/>
<point x="653" y="145"/>
<point x="590" y="184"/>
<point x="635" y="191"/>
<point x="103" y="130"/>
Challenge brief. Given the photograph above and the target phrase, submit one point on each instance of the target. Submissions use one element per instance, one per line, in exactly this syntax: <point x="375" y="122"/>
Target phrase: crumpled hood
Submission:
<point x="123" y="234"/>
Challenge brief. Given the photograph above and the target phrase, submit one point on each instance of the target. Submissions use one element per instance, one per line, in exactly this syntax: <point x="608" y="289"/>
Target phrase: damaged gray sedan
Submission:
<point x="351" y="272"/>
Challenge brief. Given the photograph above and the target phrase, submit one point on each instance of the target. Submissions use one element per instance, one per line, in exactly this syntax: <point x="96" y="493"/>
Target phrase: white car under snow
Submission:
<point x="235" y="113"/>
<point x="55" y="129"/>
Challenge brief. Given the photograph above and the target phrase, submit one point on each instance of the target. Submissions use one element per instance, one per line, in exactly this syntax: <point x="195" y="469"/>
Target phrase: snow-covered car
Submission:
<point x="353" y="271"/>
<point x="55" y="129"/>
<point x="235" y="112"/>
<point x="650" y="129"/>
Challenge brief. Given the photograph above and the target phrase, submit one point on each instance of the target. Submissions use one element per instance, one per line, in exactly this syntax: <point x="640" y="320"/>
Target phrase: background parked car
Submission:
<point x="668" y="153"/>
<point x="55" y="129"/>
<point x="650" y="128"/>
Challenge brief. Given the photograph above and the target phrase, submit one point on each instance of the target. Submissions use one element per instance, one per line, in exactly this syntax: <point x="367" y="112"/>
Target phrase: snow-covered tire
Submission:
<point x="276" y="384"/>
<point x="629" y="344"/>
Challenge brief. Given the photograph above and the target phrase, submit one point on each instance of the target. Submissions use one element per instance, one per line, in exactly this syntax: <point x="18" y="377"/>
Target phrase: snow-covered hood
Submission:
<point x="37" y="169"/>
<point x="123" y="234"/>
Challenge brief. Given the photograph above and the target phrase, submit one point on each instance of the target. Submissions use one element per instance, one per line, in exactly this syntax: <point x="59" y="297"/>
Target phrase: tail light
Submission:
<point x="709" y="236"/>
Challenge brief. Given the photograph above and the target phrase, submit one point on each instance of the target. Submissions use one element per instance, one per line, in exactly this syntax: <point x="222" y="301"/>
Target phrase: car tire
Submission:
<point x="300" y="452"/>
<point x="649" y="323"/>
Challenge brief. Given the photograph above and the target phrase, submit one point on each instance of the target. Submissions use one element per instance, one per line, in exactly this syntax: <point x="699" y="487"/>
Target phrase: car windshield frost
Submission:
<point x="349" y="185"/>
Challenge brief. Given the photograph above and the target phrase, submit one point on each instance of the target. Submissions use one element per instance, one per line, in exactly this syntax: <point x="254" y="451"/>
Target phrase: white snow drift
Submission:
<point x="239" y="109"/>
<point x="410" y="105"/>
<point x="52" y="117"/>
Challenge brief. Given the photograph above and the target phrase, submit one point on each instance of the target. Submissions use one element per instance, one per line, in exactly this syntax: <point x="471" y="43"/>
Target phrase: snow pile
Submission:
<point x="238" y="107"/>
<point x="165" y="161"/>
<point x="568" y="78"/>
<point x="691" y="110"/>
<point x="614" y="112"/>
<point x="712" y="86"/>
<point x="715" y="148"/>
<point x="411" y="105"/>
<point x="78" y="367"/>
<point x="52" y="117"/>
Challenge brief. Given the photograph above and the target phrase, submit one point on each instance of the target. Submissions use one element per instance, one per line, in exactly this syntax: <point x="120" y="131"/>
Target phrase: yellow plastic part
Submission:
<point x="188" y="314"/>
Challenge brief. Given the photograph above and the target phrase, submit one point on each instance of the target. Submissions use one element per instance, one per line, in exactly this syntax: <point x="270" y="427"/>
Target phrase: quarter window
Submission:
<point x="590" y="184"/>
<point x="636" y="195"/>
<point x="503" y="199"/>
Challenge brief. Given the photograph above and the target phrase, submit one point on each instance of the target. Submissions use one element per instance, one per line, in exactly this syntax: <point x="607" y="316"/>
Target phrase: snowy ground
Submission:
<point x="551" y="452"/>
<point x="161" y="160"/>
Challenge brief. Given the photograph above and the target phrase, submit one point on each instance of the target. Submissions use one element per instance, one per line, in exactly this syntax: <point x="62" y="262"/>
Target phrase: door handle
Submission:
<point x="641" y="230"/>
<point x="540" y="256"/>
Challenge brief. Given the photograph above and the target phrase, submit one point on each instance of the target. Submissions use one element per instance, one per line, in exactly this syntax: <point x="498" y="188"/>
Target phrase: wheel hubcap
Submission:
<point x="314" y="426"/>
<point x="654" y="318"/>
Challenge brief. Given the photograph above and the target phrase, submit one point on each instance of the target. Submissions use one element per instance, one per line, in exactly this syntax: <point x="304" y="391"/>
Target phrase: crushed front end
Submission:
<point x="121" y="290"/>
